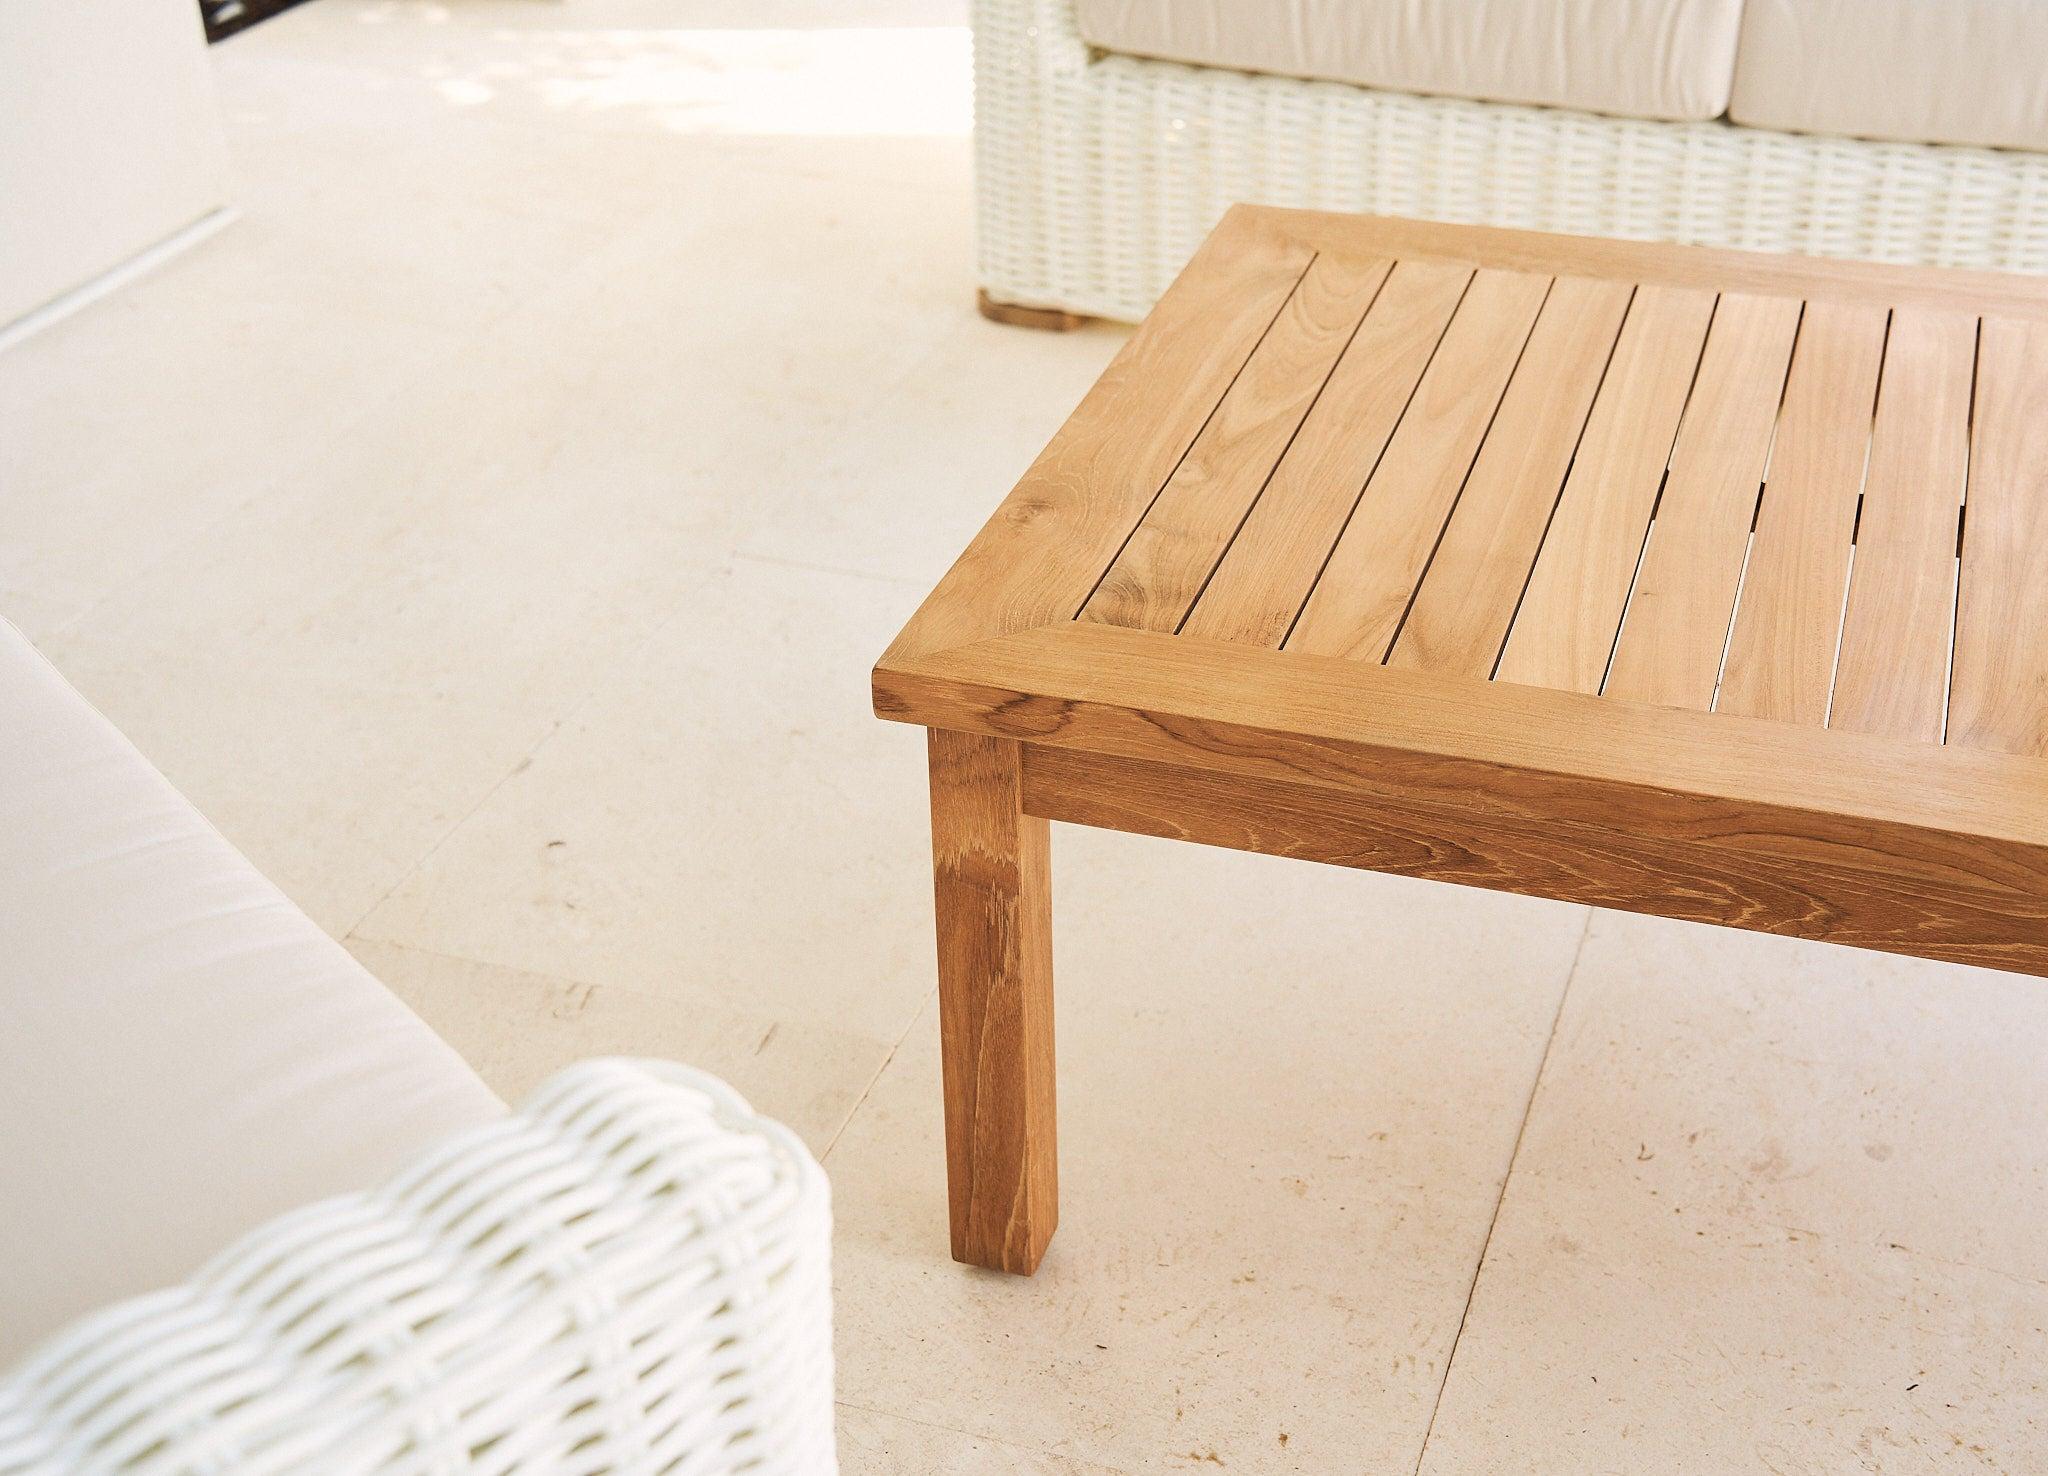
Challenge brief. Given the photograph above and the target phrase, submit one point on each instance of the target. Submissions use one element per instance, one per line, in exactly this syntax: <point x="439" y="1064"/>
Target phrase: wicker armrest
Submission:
<point x="631" y="1272"/>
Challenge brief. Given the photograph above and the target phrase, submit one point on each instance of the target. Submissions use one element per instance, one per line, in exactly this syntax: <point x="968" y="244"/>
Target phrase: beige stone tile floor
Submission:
<point x="492" y="530"/>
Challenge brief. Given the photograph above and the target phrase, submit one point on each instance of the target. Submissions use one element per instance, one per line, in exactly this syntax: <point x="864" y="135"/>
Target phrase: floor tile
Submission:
<point x="1611" y="1333"/>
<point x="1880" y="1100"/>
<point x="489" y="539"/>
<point x="492" y="530"/>
<point x="146" y="418"/>
<point x="872" y="1444"/>
<point x="534" y="507"/>
<point x="1288" y="1097"/>
<point x="724" y="814"/>
<point x="517" y="1029"/>
<point x="332" y="790"/>
<point x="997" y="394"/>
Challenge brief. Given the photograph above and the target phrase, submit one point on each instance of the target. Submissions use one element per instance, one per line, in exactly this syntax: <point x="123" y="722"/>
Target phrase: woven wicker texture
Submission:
<point x="630" y="1274"/>
<point x="1098" y="175"/>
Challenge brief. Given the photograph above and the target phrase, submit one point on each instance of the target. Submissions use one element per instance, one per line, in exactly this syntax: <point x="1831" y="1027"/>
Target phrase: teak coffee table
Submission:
<point x="1625" y="574"/>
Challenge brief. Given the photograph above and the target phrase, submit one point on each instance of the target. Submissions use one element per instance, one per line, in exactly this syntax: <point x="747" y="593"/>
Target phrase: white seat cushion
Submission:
<point x="1924" y="71"/>
<point x="183" y="1054"/>
<point x="1636" y="58"/>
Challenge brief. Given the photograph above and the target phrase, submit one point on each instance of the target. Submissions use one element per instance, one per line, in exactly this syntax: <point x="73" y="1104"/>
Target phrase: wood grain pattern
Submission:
<point x="1772" y="274"/>
<point x="1374" y="490"/>
<point x="1564" y="631"/>
<point x="1605" y="867"/>
<point x="1943" y="819"/>
<point x="1170" y="555"/>
<point x="1676" y="624"/>
<point x="1999" y="691"/>
<point x="1468" y="596"/>
<point x="1357" y="605"/>
<point x="1892" y="676"/>
<point x="1049" y="541"/>
<point x="1264" y="578"/>
<point x="991" y="870"/>
<point x="1781" y="653"/>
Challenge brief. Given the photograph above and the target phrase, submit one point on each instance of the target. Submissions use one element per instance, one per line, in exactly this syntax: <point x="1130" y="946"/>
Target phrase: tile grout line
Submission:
<point x="874" y="1080"/>
<point x="1514" y="1156"/>
<point x="599" y="681"/>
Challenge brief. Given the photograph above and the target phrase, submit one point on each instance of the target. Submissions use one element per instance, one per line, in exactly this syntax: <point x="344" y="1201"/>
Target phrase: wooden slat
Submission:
<point x="1260" y="585"/>
<point x="1564" y="632"/>
<point x="1357" y="604"/>
<point x="1893" y="673"/>
<point x="1606" y="867"/>
<point x="1174" y="549"/>
<point x="1676" y="624"/>
<point x="1468" y="597"/>
<point x="1909" y="814"/>
<point x="1999" y="693"/>
<point x="1714" y="269"/>
<point x="1781" y="653"/>
<point x="1047" y="544"/>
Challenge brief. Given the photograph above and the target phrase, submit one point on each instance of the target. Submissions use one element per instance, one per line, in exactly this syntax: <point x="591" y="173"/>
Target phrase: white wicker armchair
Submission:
<point x="630" y="1274"/>
<point x="1098" y="174"/>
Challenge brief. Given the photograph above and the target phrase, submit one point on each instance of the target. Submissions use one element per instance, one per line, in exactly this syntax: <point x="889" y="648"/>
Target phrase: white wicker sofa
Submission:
<point x="1111" y="134"/>
<point x="255" y="1217"/>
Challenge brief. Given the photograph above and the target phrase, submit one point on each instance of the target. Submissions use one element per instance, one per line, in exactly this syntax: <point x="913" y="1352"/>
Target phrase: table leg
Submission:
<point x="993" y="885"/>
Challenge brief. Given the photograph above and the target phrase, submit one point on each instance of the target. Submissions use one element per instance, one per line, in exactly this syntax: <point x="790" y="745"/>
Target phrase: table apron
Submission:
<point x="1630" y="870"/>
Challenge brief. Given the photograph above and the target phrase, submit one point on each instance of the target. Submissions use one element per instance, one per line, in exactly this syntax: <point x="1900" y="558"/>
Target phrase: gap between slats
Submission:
<point x="1664" y="665"/>
<point x="1195" y="440"/>
<point x="1478" y="451"/>
<point x="1656" y="503"/>
<point x="1762" y="490"/>
<point x="1293" y="435"/>
<point x="1564" y="480"/>
<point x="1359" y="497"/>
<point x="1358" y="592"/>
<point x="1856" y="533"/>
<point x="1552" y="631"/>
<point x="1903" y="581"/>
<point x="1856" y="520"/>
<point x="1955" y="601"/>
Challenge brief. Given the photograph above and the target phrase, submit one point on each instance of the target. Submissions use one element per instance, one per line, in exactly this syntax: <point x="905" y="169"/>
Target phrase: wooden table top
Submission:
<point x="1606" y="524"/>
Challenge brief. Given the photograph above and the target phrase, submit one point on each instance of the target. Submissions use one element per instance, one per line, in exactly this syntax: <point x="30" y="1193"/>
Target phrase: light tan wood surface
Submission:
<point x="1044" y="550"/>
<point x="1460" y="617"/>
<point x="1612" y="572"/>
<point x="1676" y="625"/>
<point x="1157" y="574"/>
<point x="1999" y="697"/>
<point x="1356" y="606"/>
<point x="1893" y="673"/>
<point x="991" y="872"/>
<point x="1265" y="576"/>
<point x="1781" y="655"/>
<point x="1564" y="633"/>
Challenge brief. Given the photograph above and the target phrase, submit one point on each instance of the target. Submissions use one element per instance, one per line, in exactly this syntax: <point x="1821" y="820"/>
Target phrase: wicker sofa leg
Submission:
<point x="990" y="862"/>
<point x="1052" y="320"/>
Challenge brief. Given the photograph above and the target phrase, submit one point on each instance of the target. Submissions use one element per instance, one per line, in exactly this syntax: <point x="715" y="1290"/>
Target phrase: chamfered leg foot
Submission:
<point x="1051" y="320"/>
<point x="990" y="863"/>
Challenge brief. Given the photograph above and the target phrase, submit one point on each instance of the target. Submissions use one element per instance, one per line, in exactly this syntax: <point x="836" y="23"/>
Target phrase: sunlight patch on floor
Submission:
<point x="903" y="82"/>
